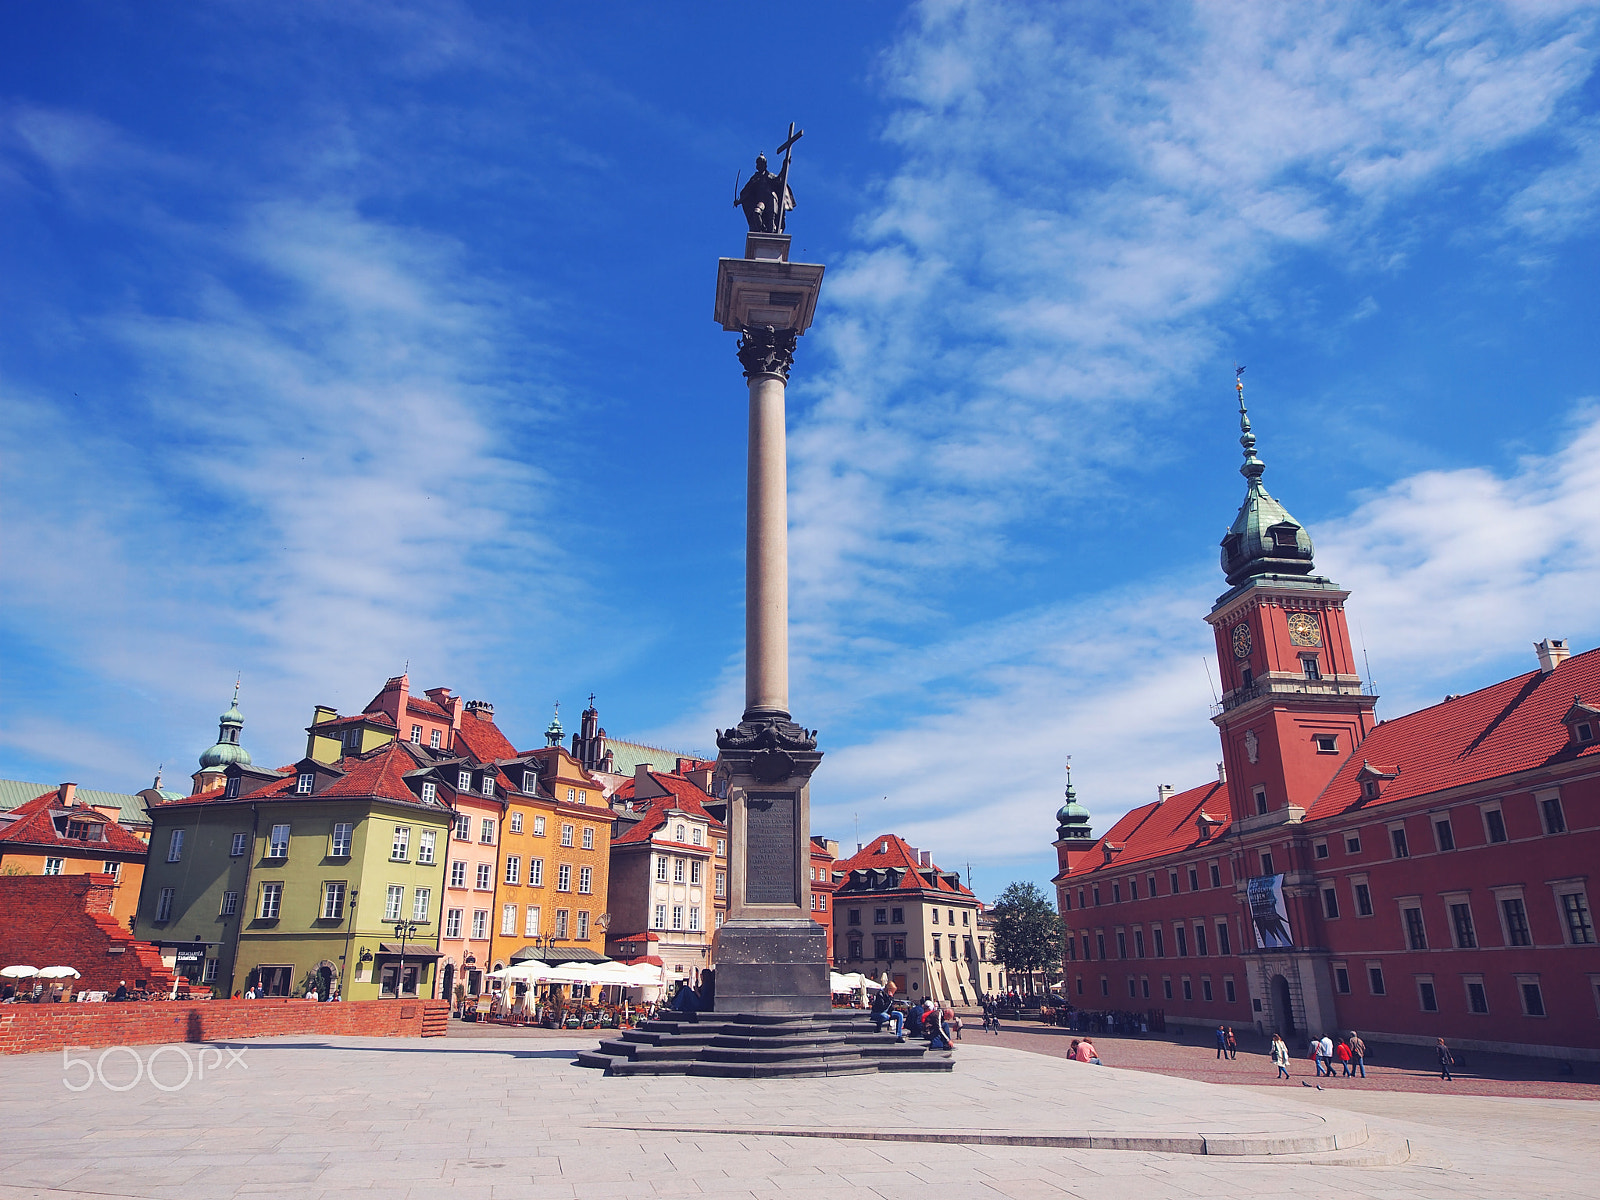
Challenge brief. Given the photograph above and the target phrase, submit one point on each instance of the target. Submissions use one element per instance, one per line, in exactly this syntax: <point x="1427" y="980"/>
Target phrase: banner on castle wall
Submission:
<point x="1268" y="914"/>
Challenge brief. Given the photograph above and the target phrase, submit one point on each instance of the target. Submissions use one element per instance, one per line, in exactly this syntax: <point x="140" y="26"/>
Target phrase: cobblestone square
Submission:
<point x="510" y="1118"/>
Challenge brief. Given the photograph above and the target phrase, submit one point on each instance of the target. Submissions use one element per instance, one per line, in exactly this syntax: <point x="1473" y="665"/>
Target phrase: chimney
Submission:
<point x="67" y="793"/>
<point x="1164" y="793"/>
<point x="924" y="858"/>
<point x="644" y="785"/>
<point x="1552" y="653"/>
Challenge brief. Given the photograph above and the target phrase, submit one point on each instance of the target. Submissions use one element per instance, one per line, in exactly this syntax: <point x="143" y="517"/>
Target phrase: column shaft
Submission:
<point x="766" y="670"/>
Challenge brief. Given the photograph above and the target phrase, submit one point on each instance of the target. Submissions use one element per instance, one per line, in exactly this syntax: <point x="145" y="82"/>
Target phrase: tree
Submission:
<point x="1027" y="930"/>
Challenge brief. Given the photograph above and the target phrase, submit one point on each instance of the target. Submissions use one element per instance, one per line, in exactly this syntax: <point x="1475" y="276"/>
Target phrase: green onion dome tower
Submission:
<point x="227" y="751"/>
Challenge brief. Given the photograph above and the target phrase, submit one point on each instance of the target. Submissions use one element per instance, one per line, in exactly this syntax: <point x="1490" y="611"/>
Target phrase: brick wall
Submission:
<point x="62" y="920"/>
<point x="36" y="1028"/>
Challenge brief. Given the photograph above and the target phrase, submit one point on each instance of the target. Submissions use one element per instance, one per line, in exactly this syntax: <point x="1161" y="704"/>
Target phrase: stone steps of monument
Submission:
<point x="843" y="1064"/>
<point x="623" y="1058"/>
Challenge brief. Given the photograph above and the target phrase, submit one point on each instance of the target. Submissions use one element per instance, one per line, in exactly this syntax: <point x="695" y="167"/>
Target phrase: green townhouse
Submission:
<point x="324" y="875"/>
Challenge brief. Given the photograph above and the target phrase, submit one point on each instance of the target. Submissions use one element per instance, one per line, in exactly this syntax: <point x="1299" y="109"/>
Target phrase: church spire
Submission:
<point x="553" y="731"/>
<point x="1253" y="467"/>
<point x="1264" y="539"/>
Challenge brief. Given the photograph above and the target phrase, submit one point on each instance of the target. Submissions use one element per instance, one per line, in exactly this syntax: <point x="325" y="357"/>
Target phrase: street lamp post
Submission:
<point x="403" y="930"/>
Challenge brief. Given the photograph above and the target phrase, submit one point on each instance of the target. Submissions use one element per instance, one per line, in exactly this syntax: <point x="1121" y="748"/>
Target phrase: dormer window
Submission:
<point x="488" y="783"/>
<point x="232" y="789"/>
<point x="1582" y="722"/>
<point x="1284" y="537"/>
<point x="530" y="782"/>
<point x="463" y="781"/>
<point x="305" y="783"/>
<point x="1374" y="779"/>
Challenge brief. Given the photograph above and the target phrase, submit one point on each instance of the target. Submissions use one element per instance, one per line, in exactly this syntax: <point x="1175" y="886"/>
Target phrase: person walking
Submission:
<point x="1446" y="1061"/>
<point x="1342" y="1053"/>
<point x="1325" y="1051"/>
<point x="1316" y="1054"/>
<point x="1222" y="1041"/>
<point x="1233" y="1044"/>
<point x="1358" y="1054"/>
<point x="1280" y="1056"/>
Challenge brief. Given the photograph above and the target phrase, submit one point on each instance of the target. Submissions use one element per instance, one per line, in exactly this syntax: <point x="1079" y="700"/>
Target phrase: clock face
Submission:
<point x="1241" y="641"/>
<point x="1304" y="630"/>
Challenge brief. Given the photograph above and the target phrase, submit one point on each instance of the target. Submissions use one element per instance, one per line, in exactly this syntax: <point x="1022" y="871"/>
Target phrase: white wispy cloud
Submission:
<point x="1453" y="575"/>
<point x="1082" y="208"/>
<point x="306" y="472"/>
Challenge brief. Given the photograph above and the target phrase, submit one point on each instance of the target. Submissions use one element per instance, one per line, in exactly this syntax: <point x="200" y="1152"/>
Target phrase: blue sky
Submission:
<point x="338" y="337"/>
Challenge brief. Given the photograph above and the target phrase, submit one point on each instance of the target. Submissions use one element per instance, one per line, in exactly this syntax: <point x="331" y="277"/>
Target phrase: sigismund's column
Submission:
<point x="770" y="955"/>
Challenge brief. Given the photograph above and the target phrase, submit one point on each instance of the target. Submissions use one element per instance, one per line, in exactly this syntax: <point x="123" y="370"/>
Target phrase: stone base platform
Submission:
<point x="760" y="1046"/>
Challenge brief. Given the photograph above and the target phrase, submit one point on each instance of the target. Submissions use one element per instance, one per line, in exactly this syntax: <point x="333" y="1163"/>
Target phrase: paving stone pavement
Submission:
<point x="513" y="1119"/>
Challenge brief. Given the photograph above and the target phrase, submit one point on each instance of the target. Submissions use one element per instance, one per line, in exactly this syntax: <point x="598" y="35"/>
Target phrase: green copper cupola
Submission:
<point x="1264" y="539"/>
<point x="1072" y="818"/>
<point x="227" y="751"/>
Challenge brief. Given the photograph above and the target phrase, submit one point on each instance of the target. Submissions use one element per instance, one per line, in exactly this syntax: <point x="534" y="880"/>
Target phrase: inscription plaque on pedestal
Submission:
<point x="770" y="844"/>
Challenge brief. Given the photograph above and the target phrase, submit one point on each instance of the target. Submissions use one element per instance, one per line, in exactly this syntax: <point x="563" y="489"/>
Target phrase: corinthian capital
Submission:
<point x="766" y="351"/>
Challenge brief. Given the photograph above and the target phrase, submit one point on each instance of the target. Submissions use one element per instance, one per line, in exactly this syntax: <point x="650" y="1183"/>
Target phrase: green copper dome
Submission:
<point x="553" y="731"/>
<point x="1264" y="539"/>
<point x="1072" y="818"/>
<point x="227" y="751"/>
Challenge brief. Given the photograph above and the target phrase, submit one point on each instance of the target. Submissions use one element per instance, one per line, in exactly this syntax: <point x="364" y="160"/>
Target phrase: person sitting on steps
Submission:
<point x="885" y="1012"/>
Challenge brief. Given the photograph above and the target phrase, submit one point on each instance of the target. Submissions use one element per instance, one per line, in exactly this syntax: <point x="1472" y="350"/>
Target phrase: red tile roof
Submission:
<point x="683" y="795"/>
<point x="379" y="773"/>
<point x="890" y="852"/>
<point x="483" y="739"/>
<point x="1160" y="828"/>
<point x="1507" y="727"/>
<point x="369" y="718"/>
<point x="35" y="826"/>
<point x="426" y="707"/>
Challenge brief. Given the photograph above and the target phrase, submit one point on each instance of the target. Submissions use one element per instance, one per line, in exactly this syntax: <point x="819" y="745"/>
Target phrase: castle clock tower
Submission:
<point x="1293" y="709"/>
<point x="1293" y="706"/>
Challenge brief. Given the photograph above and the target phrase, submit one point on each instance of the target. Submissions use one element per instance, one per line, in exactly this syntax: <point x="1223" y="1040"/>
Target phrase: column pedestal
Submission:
<point x="771" y="957"/>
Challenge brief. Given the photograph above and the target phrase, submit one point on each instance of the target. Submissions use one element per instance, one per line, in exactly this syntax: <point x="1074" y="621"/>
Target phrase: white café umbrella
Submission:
<point x="645" y="975"/>
<point x="575" y="973"/>
<point x="18" y="972"/>
<point x="59" y="973"/>
<point x="524" y="972"/>
<point x="851" y="982"/>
